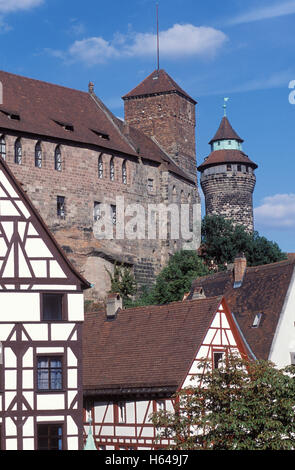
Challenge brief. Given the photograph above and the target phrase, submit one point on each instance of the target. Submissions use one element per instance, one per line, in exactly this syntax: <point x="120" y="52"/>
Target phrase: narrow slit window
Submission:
<point x="257" y="320"/>
<point x="3" y="147"/>
<point x="57" y="159"/>
<point x="217" y="359"/>
<point x="124" y="172"/>
<point x="100" y="168"/>
<point x="38" y="155"/>
<point x="61" y="207"/>
<point x="112" y="170"/>
<point x="18" y="152"/>
<point x="114" y="214"/>
<point x="96" y="211"/>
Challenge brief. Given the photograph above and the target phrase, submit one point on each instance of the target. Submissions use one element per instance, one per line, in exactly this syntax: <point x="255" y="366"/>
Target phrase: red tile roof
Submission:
<point x="264" y="290"/>
<point x="157" y="82"/>
<point x="226" y="156"/>
<point x="45" y="109"/>
<point x="225" y="131"/>
<point x="144" y="347"/>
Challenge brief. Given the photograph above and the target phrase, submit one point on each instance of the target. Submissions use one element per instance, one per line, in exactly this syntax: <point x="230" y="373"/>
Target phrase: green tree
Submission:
<point x="240" y="406"/>
<point x="123" y="282"/>
<point x="222" y="241"/>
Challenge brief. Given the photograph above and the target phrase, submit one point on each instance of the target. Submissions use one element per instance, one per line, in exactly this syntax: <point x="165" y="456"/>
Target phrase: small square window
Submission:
<point x="217" y="359"/>
<point x="49" y="436"/>
<point x="52" y="308"/>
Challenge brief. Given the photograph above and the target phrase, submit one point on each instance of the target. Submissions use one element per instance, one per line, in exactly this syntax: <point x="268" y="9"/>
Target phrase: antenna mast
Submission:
<point x="158" y="42"/>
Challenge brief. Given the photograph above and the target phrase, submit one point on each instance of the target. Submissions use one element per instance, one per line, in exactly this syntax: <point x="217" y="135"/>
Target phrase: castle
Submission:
<point x="81" y="166"/>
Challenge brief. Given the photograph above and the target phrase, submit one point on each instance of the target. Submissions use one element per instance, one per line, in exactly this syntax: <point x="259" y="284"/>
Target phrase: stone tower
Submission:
<point x="228" y="179"/>
<point x="166" y="113"/>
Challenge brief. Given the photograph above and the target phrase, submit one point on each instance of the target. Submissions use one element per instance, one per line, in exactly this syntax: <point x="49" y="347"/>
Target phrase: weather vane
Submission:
<point x="225" y="105"/>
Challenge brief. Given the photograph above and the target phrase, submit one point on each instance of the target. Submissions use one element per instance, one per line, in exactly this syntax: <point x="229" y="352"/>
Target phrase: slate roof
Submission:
<point x="158" y="82"/>
<point x="264" y="290"/>
<point x="148" y="347"/>
<point x="44" y="109"/>
<point x="226" y="156"/>
<point x="225" y="131"/>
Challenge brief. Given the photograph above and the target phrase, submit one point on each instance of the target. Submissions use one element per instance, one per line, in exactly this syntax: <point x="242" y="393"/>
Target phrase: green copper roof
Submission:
<point x="90" y="444"/>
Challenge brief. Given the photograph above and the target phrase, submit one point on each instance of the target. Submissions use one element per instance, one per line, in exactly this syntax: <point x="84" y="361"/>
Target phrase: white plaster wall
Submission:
<point x="19" y="307"/>
<point x="53" y="401"/>
<point x="284" y="340"/>
<point x="75" y="307"/>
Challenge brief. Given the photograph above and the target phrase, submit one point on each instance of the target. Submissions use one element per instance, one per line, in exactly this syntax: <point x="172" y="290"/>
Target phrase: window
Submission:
<point x="257" y="320"/>
<point x="96" y="211"/>
<point x="18" y="152"/>
<point x="217" y="359"/>
<point x="121" y="412"/>
<point x="229" y="142"/>
<point x="124" y="172"/>
<point x="228" y="167"/>
<point x="60" y="207"/>
<point x="52" y="307"/>
<point x="38" y="155"/>
<point x="239" y="168"/>
<point x="3" y="147"/>
<point x="114" y="214"/>
<point x="57" y="159"/>
<point x="112" y="170"/>
<point x="160" y="405"/>
<point x="100" y="167"/>
<point x="150" y="185"/>
<point x="49" y="436"/>
<point x="49" y="373"/>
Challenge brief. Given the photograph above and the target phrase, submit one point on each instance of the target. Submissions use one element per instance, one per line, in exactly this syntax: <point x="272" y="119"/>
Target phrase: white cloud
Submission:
<point x="273" y="11"/>
<point x="8" y="6"/>
<point x="178" y="41"/>
<point x="276" y="211"/>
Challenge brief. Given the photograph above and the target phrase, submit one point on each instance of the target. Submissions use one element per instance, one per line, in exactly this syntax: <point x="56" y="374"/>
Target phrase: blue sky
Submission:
<point x="242" y="50"/>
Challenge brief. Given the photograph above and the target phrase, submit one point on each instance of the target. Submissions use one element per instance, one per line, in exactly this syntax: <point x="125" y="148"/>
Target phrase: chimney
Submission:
<point x="113" y="305"/>
<point x="91" y="87"/>
<point x="240" y="265"/>
<point x="198" y="293"/>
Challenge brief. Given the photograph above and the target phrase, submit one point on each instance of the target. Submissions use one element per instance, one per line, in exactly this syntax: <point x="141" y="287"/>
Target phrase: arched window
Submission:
<point x="3" y="147"/>
<point x="100" y="167"/>
<point x="18" y="152"/>
<point x="112" y="170"/>
<point x="57" y="159"/>
<point x="124" y="172"/>
<point x="38" y="155"/>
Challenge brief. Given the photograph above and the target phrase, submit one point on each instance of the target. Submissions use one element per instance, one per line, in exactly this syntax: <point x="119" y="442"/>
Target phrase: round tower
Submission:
<point x="228" y="179"/>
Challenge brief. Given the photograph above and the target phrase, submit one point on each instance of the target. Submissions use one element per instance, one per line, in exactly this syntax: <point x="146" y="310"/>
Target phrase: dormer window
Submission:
<point x="11" y="114"/>
<point x="257" y="320"/>
<point x="65" y="126"/>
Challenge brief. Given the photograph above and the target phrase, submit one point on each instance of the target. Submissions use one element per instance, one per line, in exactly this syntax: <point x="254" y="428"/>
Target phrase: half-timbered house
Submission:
<point x="41" y="315"/>
<point x="136" y="359"/>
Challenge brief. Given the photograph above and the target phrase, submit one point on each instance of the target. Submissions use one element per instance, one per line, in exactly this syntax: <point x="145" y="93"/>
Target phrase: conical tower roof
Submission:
<point x="225" y="132"/>
<point x="158" y="82"/>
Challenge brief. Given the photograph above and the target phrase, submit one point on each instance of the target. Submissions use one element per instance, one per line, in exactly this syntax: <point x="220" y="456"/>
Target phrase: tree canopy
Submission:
<point x="222" y="241"/>
<point x="240" y="406"/>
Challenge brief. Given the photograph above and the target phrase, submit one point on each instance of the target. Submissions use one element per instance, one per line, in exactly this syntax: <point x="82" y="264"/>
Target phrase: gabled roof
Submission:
<point x="146" y="347"/>
<point x="64" y="114"/>
<point x="225" y="132"/>
<point x="158" y="82"/>
<point x="226" y="156"/>
<point x="263" y="290"/>
<point x="16" y="210"/>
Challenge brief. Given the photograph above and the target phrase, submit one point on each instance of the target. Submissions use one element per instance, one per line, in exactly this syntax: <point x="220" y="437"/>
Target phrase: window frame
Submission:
<point x="112" y="169"/>
<point x="18" y="152"/>
<point x="61" y="213"/>
<point x="100" y="167"/>
<point x="64" y="306"/>
<point x="57" y="158"/>
<point x="3" y="145"/>
<point x="124" y="172"/>
<point x="38" y="155"/>
<point x="50" y="357"/>
<point x="50" y="425"/>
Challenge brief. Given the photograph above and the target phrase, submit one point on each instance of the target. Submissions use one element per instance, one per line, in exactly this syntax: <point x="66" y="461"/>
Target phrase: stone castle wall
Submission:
<point x="78" y="182"/>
